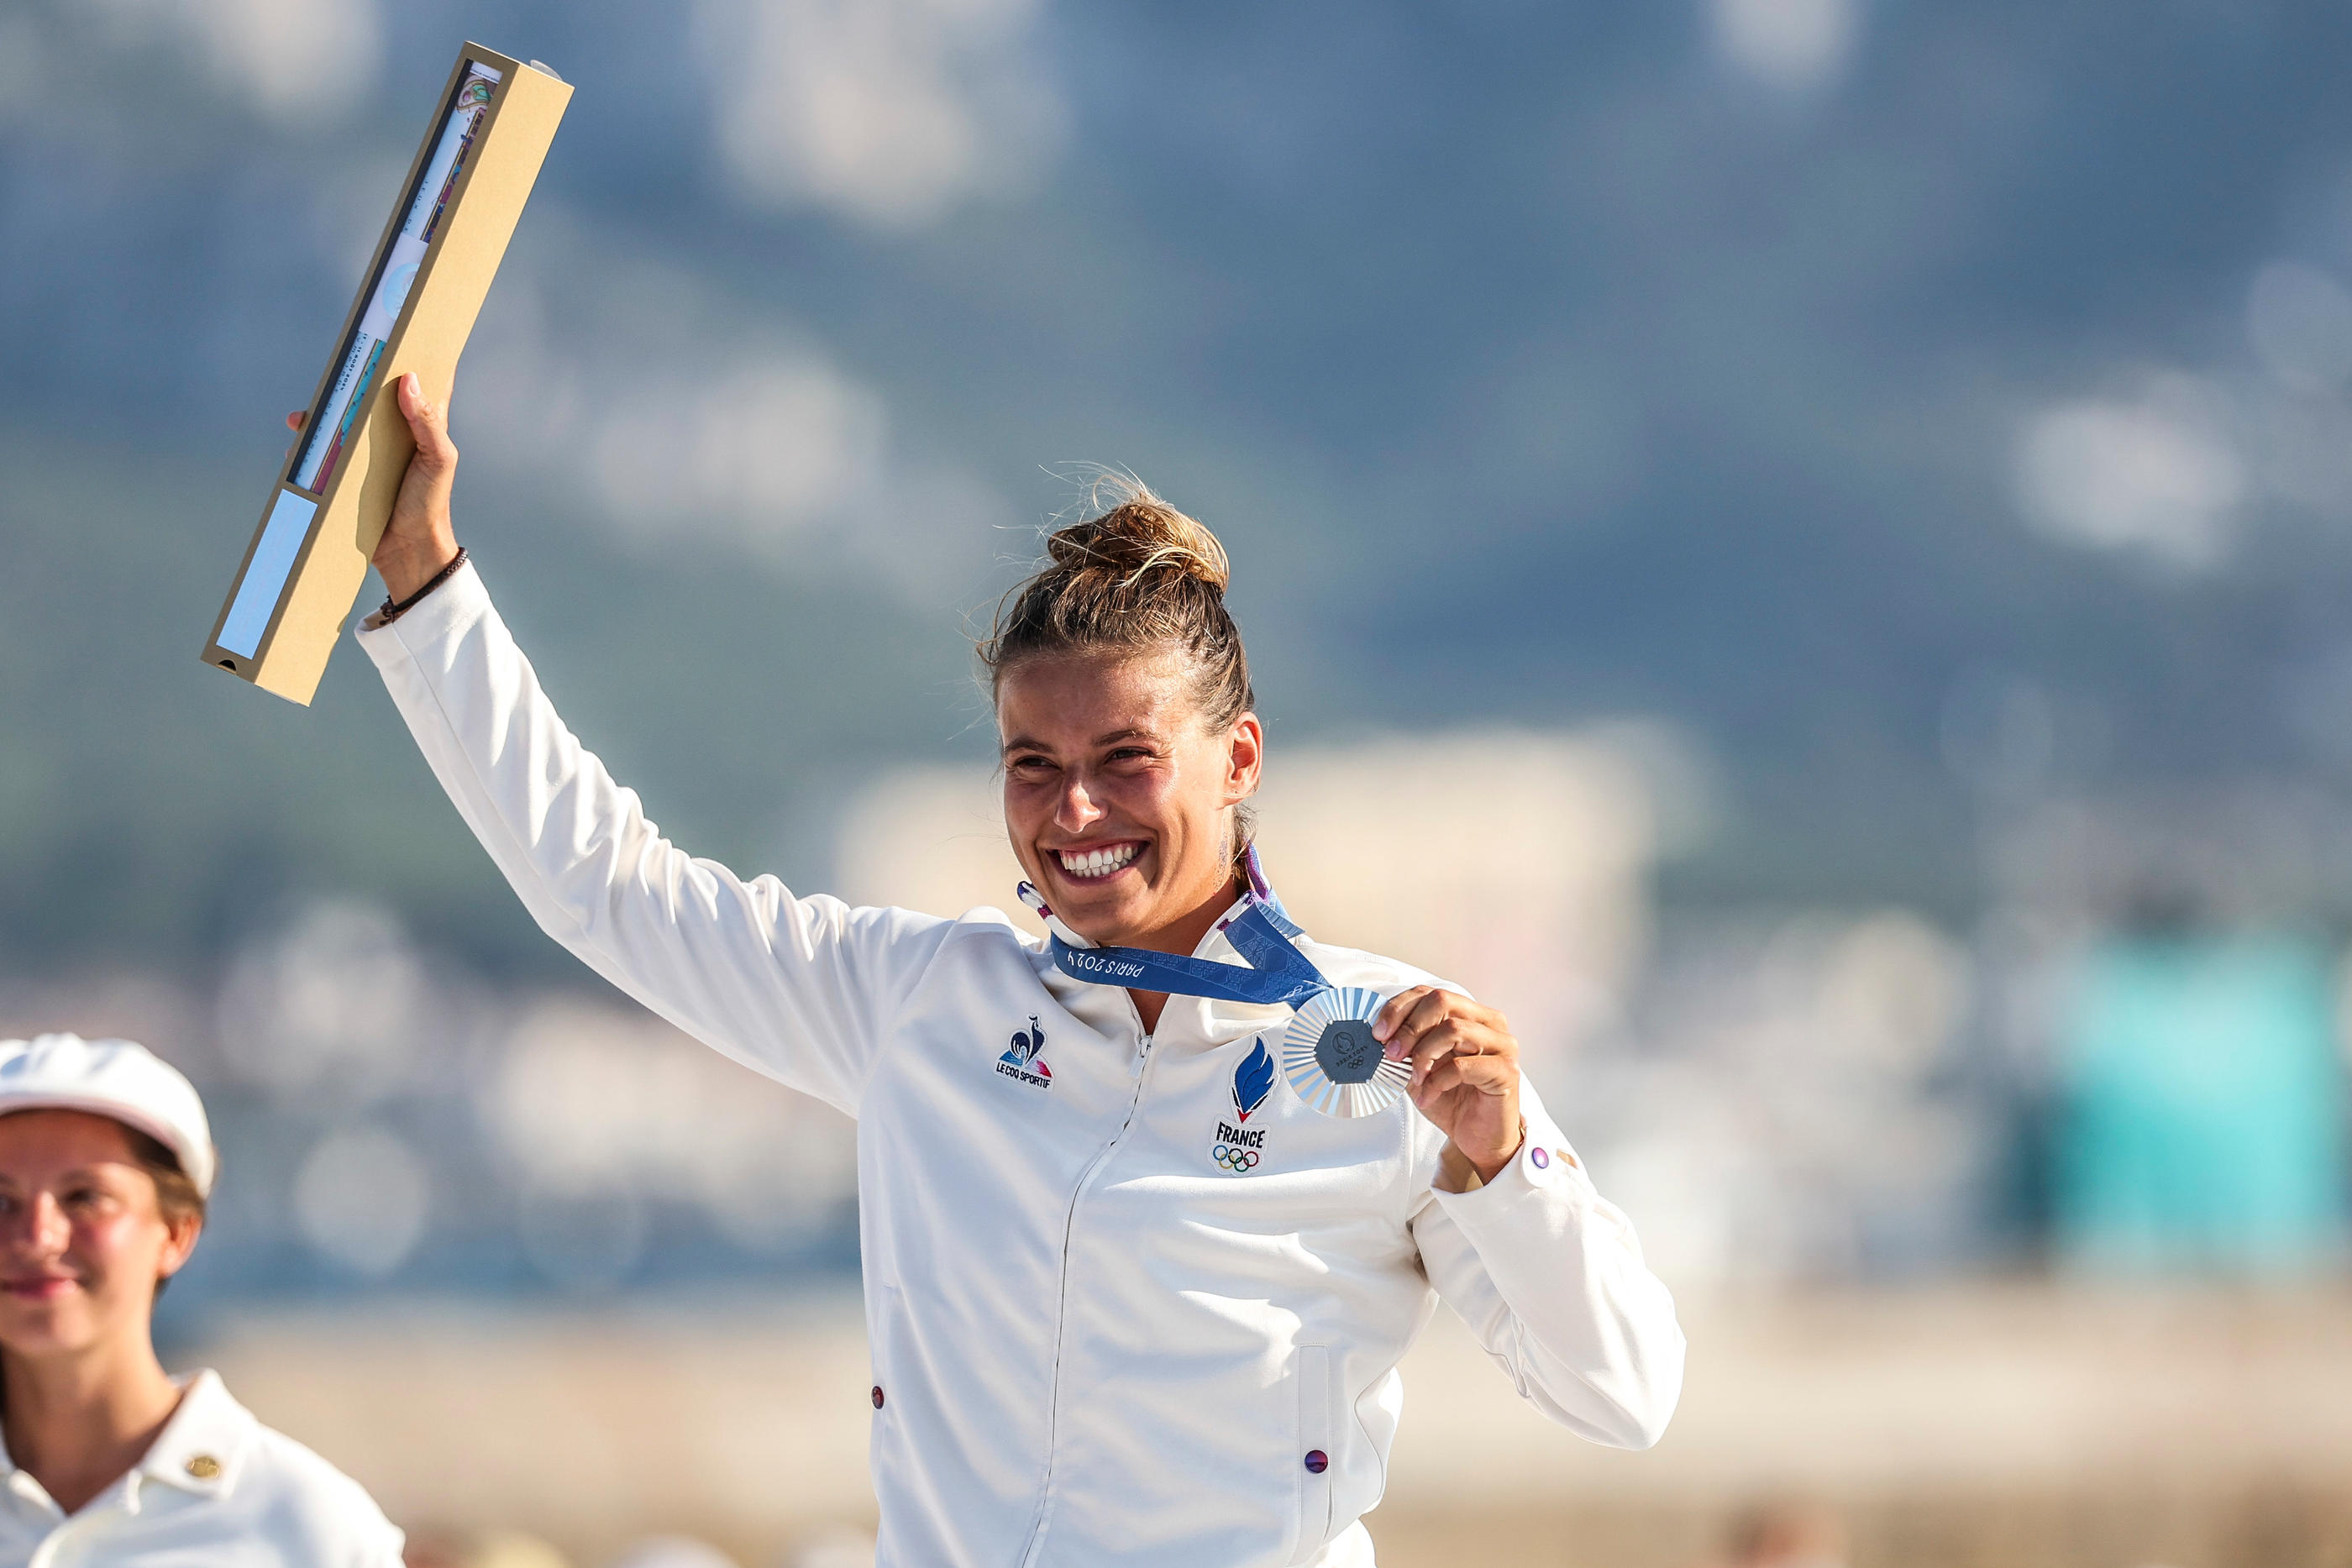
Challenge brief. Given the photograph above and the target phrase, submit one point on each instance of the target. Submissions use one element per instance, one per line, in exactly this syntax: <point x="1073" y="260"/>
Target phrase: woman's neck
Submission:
<point x="77" y="1422"/>
<point x="1182" y="937"/>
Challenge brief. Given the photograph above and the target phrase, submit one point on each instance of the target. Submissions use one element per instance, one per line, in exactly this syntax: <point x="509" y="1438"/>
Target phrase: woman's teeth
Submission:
<point x="1097" y="862"/>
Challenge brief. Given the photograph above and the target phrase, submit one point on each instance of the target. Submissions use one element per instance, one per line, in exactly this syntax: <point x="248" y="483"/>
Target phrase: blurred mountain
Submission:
<point x="1927" y="409"/>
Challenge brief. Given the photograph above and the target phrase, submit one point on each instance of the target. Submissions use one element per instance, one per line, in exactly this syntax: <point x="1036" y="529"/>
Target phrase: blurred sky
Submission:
<point x="1919" y="408"/>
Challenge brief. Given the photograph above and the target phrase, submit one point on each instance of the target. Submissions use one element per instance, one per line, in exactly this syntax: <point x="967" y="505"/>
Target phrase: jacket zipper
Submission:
<point x="1061" y="1303"/>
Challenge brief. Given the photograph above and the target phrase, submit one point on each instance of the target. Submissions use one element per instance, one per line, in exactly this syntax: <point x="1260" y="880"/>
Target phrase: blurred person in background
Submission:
<point x="674" y="1551"/>
<point x="1126" y="1301"/>
<point x="482" y="1549"/>
<point x="105" y="1164"/>
<point x="2201" y="1124"/>
<point x="842" y="1548"/>
<point x="1786" y="1535"/>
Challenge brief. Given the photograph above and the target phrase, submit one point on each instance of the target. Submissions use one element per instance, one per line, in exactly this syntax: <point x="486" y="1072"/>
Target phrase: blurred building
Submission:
<point x="1785" y="1103"/>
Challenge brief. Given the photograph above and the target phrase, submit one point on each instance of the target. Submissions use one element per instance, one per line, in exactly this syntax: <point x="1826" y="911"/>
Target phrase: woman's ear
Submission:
<point x="1245" y="758"/>
<point x="179" y="1243"/>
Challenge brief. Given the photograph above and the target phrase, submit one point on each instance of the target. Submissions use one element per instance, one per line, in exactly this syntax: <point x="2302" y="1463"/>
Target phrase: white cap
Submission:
<point x="112" y="1077"/>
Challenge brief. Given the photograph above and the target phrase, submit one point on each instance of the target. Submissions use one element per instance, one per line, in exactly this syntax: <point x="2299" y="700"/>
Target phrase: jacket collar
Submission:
<point x="199" y="1451"/>
<point x="203" y="1446"/>
<point x="1215" y="943"/>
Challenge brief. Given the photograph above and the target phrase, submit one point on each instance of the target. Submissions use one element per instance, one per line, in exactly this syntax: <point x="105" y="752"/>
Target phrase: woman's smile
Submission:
<point x="1093" y="864"/>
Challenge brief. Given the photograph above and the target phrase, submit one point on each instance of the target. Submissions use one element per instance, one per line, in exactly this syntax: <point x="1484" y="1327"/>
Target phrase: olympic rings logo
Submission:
<point x="1234" y="1157"/>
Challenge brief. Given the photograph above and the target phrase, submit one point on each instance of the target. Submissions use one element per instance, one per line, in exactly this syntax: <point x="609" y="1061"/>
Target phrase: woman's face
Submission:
<point x="83" y="1239"/>
<point x="1118" y="796"/>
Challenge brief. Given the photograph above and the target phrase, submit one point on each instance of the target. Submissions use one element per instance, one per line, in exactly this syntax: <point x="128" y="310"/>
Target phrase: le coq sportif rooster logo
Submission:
<point x="1020" y="1058"/>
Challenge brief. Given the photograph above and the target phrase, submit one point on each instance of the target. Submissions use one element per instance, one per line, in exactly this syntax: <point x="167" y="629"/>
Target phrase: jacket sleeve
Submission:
<point x="366" y="1543"/>
<point x="1550" y="1278"/>
<point x="801" y="989"/>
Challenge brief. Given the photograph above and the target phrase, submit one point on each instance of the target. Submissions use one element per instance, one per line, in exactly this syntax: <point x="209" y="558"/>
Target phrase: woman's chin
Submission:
<point x="35" y="1333"/>
<point x="1111" y="913"/>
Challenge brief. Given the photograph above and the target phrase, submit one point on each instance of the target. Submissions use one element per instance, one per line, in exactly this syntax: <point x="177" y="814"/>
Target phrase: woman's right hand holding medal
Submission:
<point x="1466" y="1072"/>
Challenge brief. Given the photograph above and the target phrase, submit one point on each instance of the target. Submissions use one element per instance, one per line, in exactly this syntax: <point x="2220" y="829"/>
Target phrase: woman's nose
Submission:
<point x="1077" y="811"/>
<point x="38" y="1226"/>
<point x="52" y="1229"/>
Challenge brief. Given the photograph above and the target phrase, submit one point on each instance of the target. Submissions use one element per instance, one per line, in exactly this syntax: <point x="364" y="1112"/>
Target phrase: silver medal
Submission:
<point x="1332" y="1060"/>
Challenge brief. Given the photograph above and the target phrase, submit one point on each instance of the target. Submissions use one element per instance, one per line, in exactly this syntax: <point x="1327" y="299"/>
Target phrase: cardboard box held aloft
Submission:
<point x="465" y="192"/>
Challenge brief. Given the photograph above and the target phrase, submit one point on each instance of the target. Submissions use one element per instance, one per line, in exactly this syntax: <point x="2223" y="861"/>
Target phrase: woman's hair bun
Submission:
<point x="1139" y="535"/>
<point x="1138" y="575"/>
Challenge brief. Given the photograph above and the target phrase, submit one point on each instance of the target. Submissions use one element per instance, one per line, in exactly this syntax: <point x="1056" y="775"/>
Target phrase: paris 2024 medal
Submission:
<point x="1332" y="1060"/>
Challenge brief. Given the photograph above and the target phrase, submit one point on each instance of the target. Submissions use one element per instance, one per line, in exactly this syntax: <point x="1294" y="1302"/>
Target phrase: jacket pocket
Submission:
<point x="1316" y="1454"/>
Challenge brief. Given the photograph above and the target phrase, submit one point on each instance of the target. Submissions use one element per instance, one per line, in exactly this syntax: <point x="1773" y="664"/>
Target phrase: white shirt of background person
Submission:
<point x="105" y="1164"/>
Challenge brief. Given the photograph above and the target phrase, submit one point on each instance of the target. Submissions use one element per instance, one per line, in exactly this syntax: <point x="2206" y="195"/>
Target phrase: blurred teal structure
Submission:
<point x="2202" y="1130"/>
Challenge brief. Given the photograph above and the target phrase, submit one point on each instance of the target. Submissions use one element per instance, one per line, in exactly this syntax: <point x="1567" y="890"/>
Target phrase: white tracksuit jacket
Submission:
<point x="1092" y="1341"/>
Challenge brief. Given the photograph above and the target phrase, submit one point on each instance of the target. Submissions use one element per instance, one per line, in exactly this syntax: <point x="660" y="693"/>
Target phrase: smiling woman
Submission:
<point x="1123" y="695"/>
<point x="1129" y="1300"/>
<point x="106" y="1162"/>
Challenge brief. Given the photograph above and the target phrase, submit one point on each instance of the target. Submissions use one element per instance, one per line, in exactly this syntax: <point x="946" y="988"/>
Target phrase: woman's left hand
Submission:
<point x="1466" y="1070"/>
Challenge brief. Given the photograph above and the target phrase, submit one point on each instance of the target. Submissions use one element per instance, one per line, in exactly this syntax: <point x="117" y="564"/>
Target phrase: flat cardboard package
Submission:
<point x="465" y="192"/>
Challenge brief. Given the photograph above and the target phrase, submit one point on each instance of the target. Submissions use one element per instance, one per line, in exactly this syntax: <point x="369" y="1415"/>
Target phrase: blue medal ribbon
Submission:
<point x="1278" y="974"/>
<point x="1330" y="1055"/>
